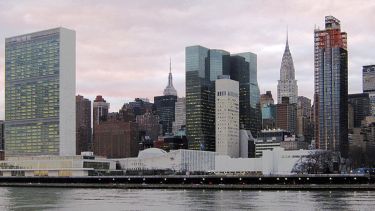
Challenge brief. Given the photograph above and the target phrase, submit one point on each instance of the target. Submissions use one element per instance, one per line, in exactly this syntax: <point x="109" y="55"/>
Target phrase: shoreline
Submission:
<point x="328" y="187"/>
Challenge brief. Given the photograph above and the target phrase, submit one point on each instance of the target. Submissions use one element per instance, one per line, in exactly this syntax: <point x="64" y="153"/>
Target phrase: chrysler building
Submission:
<point x="287" y="85"/>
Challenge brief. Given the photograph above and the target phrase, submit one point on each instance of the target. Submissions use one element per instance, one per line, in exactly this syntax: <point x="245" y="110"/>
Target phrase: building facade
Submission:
<point x="203" y="66"/>
<point x="287" y="85"/>
<point x="1" y="135"/>
<point x="83" y="125"/>
<point x="360" y="104"/>
<point x="100" y="110"/>
<point x="331" y="87"/>
<point x="304" y="126"/>
<point x="368" y="78"/>
<point x="116" y="138"/>
<point x="40" y="93"/>
<point x="148" y="124"/>
<point x="286" y="115"/>
<point x="180" y="115"/>
<point x="165" y="109"/>
<point x="227" y="117"/>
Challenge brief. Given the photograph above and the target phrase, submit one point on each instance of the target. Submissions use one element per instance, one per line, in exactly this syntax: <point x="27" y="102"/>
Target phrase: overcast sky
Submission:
<point x="123" y="47"/>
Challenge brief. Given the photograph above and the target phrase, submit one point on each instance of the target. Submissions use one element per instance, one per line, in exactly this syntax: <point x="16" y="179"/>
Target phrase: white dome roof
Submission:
<point x="151" y="153"/>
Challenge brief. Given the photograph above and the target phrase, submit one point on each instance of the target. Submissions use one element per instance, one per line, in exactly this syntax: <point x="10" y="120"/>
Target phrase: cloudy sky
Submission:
<point x="123" y="47"/>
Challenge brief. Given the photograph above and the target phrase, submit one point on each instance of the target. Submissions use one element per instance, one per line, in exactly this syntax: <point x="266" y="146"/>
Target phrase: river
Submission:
<point x="18" y="198"/>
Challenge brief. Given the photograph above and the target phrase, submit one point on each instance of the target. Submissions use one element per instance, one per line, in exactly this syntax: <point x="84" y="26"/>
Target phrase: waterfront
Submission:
<point x="20" y="198"/>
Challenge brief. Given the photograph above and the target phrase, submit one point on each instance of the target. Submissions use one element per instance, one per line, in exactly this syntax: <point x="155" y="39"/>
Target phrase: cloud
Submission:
<point x="123" y="47"/>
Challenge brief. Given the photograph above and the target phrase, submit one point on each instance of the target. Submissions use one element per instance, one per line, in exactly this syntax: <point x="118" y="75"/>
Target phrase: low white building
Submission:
<point x="277" y="161"/>
<point x="176" y="160"/>
<point x="77" y="165"/>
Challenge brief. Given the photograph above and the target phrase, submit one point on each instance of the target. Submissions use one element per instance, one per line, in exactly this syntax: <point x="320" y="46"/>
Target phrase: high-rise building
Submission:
<point x="203" y="66"/>
<point x="369" y="85"/>
<point x="200" y="100"/>
<point x="1" y="135"/>
<point x="244" y="70"/>
<point x="83" y="125"/>
<point x="304" y="123"/>
<point x="266" y="99"/>
<point x="148" y="123"/>
<point x="268" y="111"/>
<point x="40" y="93"/>
<point x="331" y="87"/>
<point x="227" y="117"/>
<point x="165" y="105"/>
<point x="361" y="107"/>
<point x="180" y="115"/>
<point x="286" y="115"/>
<point x="100" y="110"/>
<point x="139" y="106"/>
<point x="287" y="85"/>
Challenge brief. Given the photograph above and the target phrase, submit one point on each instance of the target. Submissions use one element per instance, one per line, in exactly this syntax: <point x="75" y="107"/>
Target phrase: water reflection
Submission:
<point x="144" y="199"/>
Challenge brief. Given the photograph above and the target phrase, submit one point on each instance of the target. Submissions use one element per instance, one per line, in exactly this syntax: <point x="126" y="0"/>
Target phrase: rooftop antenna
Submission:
<point x="170" y="65"/>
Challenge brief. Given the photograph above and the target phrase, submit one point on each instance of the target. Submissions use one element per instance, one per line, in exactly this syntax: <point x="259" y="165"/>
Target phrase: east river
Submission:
<point x="18" y="198"/>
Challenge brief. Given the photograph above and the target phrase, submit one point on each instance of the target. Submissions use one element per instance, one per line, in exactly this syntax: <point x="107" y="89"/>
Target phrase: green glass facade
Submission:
<point x="32" y="94"/>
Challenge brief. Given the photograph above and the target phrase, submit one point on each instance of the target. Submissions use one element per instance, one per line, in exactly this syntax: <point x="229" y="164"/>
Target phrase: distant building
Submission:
<point x="171" y="142"/>
<point x="139" y="106"/>
<point x="287" y="85"/>
<point x="203" y="66"/>
<point x="83" y="125"/>
<point x="304" y="126"/>
<point x="331" y="87"/>
<point x="149" y="124"/>
<point x="266" y="99"/>
<point x="100" y="110"/>
<point x="40" y="93"/>
<point x="116" y="138"/>
<point x="361" y="107"/>
<point x="1" y="135"/>
<point x="227" y="117"/>
<point x="180" y="114"/>
<point x="286" y="115"/>
<point x="165" y="109"/>
<point x="369" y="85"/>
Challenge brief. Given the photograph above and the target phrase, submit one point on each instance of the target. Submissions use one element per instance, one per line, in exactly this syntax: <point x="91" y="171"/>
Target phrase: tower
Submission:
<point x="287" y="85"/>
<point x="331" y="87"/>
<point x="227" y="117"/>
<point x="165" y="105"/>
<point x="40" y="93"/>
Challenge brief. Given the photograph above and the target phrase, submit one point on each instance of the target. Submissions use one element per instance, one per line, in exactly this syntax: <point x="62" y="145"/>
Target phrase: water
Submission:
<point x="145" y="199"/>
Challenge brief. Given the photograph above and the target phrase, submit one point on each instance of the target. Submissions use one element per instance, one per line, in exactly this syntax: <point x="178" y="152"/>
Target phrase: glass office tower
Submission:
<point x="203" y="66"/>
<point x="331" y="87"/>
<point x="40" y="93"/>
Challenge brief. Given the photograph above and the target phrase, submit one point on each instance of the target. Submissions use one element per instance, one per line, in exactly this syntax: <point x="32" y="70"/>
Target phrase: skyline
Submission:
<point x="132" y="50"/>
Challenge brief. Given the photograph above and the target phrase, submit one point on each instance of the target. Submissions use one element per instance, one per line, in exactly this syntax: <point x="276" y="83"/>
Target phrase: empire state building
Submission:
<point x="287" y="85"/>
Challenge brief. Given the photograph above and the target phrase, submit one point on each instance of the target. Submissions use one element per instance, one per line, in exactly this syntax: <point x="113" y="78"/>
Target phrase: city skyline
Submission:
<point x="128" y="56"/>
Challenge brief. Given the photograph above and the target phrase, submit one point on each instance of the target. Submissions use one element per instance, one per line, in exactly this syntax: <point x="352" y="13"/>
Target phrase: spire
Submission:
<point x="170" y="90"/>
<point x="287" y="37"/>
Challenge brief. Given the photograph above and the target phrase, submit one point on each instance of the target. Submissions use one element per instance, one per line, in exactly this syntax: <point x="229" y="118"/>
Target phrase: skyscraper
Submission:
<point x="286" y="115"/>
<point x="40" y="93"/>
<point x="200" y="100"/>
<point x="165" y="105"/>
<point x="304" y="122"/>
<point x="83" y="125"/>
<point x="331" y="87"/>
<point x="227" y="117"/>
<point x="203" y="65"/>
<point x="1" y="135"/>
<point x="100" y="110"/>
<point x="361" y="107"/>
<point x="287" y="85"/>
<point x="369" y="85"/>
<point x="180" y="114"/>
